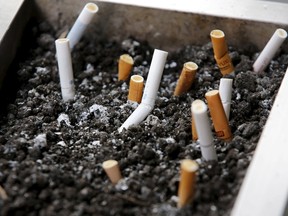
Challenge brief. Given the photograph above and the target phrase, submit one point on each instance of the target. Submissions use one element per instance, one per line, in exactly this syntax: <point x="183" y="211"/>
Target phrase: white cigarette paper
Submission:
<point x="225" y="91"/>
<point x="80" y="25"/>
<point x="150" y="90"/>
<point x="269" y="50"/>
<point x="202" y="123"/>
<point x="65" y="68"/>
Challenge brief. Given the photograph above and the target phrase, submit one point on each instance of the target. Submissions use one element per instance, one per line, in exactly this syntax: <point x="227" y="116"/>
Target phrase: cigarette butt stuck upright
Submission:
<point x="225" y="91"/>
<point x="136" y="86"/>
<point x="65" y="68"/>
<point x="221" y="54"/>
<point x="186" y="78"/>
<point x="218" y="115"/>
<point x="187" y="182"/>
<point x="112" y="169"/>
<point x="125" y="65"/>
<point x="203" y="126"/>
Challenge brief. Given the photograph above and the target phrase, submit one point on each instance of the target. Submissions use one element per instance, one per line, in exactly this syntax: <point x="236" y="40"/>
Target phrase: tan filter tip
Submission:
<point x="112" y="169"/>
<point x="218" y="115"/>
<point x="187" y="181"/>
<point x="125" y="65"/>
<point x="136" y="86"/>
<point x="186" y="78"/>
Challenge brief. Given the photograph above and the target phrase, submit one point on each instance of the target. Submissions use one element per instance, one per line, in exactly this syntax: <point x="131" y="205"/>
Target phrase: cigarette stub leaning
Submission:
<point x="269" y="50"/>
<point x="112" y="170"/>
<point x="188" y="170"/>
<point x="81" y="24"/>
<point x="186" y="78"/>
<point x="65" y="68"/>
<point x="136" y="86"/>
<point x="125" y="65"/>
<point x="218" y="115"/>
<point x="221" y="54"/>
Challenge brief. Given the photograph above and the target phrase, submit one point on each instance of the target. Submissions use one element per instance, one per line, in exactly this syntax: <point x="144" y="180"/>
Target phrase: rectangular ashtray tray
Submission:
<point x="172" y="24"/>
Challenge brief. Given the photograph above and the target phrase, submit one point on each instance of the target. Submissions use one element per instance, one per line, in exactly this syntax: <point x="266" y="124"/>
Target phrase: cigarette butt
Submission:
<point x="125" y="66"/>
<point x="204" y="132"/>
<point x="218" y="115"/>
<point x="186" y="78"/>
<point x="112" y="169"/>
<point x="81" y="23"/>
<point x="187" y="182"/>
<point x="136" y="86"/>
<point x="65" y="68"/>
<point x="194" y="131"/>
<point x="270" y="50"/>
<point x="225" y="92"/>
<point x="221" y="54"/>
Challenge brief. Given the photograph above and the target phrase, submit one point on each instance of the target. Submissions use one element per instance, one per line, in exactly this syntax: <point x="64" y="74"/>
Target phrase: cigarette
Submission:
<point x="269" y="50"/>
<point x="150" y="90"/>
<point x="80" y="25"/>
<point x="225" y="91"/>
<point x="112" y="170"/>
<point x="188" y="174"/>
<point x="125" y="66"/>
<point x="221" y="54"/>
<point x="136" y="88"/>
<point x="194" y="131"/>
<point x="65" y="68"/>
<point x="202" y="124"/>
<point x="218" y="115"/>
<point x="186" y="78"/>
<point x="154" y="77"/>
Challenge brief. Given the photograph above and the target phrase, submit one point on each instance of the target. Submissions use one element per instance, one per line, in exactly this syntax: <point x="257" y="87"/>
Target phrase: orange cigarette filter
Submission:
<point x="125" y="65"/>
<point x="194" y="132"/>
<point x="136" y="86"/>
<point x="186" y="78"/>
<point x="221" y="124"/>
<point x="112" y="169"/>
<point x="221" y="54"/>
<point x="187" y="182"/>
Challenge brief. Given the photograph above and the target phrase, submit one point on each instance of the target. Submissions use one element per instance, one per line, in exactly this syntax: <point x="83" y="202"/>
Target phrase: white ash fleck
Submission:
<point x="121" y="185"/>
<point x="94" y="144"/>
<point x="62" y="143"/>
<point x="84" y="83"/>
<point x="42" y="70"/>
<point x="238" y="96"/>
<point x="40" y="141"/>
<point x="130" y="104"/>
<point x="100" y="111"/>
<point x="124" y="86"/>
<point x="97" y="78"/>
<point x="64" y="117"/>
<point x="160" y="154"/>
<point x="164" y="209"/>
<point x="89" y="69"/>
<point x="173" y="64"/>
<point x="170" y="140"/>
<point x="152" y="120"/>
<point x="33" y="92"/>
